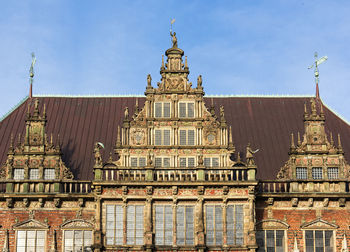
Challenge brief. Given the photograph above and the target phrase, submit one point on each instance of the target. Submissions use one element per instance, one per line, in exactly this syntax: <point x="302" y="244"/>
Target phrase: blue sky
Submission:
<point x="239" y="47"/>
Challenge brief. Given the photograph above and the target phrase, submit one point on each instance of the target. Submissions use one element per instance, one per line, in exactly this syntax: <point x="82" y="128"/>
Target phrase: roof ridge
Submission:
<point x="141" y="95"/>
<point x="14" y="108"/>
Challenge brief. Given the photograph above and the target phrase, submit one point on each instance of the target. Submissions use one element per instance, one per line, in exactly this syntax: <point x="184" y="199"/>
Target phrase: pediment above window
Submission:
<point x="31" y="224"/>
<point x="319" y="224"/>
<point x="77" y="224"/>
<point x="272" y="224"/>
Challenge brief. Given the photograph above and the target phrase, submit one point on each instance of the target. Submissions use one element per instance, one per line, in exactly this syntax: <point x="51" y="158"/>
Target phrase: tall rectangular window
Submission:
<point x="270" y="240"/>
<point x="162" y="162"/>
<point x="162" y="137"/>
<point x="187" y="137"/>
<point x="31" y="240"/>
<point x="18" y="173"/>
<point x="184" y="225"/>
<point x="49" y="174"/>
<point x="319" y="241"/>
<point x="214" y="225"/>
<point x="164" y="225"/>
<point x="187" y="162"/>
<point x="77" y="240"/>
<point x="234" y="224"/>
<point x="317" y="173"/>
<point x="114" y="225"/>
<point x="162" y="109"/>
<point x="186" y="109"/>
<point x="211" y="162"/>
<point x="333" y="172"/>
<point x="137" y="161"/>
<point x="301" y="172"/>
<point x="134" y="225"/>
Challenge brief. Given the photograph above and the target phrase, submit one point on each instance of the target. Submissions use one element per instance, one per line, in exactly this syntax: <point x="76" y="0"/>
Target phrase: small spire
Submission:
<point x="239" y="157"/>
<point x="162" y="66"/>
<point x="230" y="143"/>
<point x="44" y="111"/>
<point x="58" y="142"/>
<point x="317" y="92"/>
<point x="19" y="139"/>
<point x="313" y="106"/>
<point x="292" y="145"/>
<point x="137" y="106"/>
<point x="339" y="144"/>
<point x="45" y="139"/>
<point x="28" y="110"/>
<point x="110" y="159"/>
<point x="305" y="110"/>
<point x="299" y="142"/>
<point x="118" y="137"/>
<point x="51" y="140"/>
<point x="321" y="110"/>
<point x="36" y="108"/>
<point x="126" y="113"/>
<point x="212" y="108"/>
<point x="332" y="141"/>
<point x="11" y="141"/>
<point x="186" y="65"/>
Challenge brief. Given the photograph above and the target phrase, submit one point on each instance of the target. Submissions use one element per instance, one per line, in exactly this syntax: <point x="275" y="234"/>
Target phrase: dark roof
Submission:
<point x="265" y="122"/>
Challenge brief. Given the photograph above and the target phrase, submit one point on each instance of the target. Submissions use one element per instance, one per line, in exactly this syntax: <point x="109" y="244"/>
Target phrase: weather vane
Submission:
<point x="317" y="62"/>
<point x="31" y="70"/>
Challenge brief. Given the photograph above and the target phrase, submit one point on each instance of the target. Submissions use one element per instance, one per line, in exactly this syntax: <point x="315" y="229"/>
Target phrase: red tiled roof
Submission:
<point x="81" y="121"/>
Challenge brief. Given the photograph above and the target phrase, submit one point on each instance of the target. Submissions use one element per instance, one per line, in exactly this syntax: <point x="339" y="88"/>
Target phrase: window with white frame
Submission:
<point x="211" y="162"/>
<point x="137" y="161"/>
<point x="270" y="240"/>
<point x="234" y="224"/>
<point x="186" y="109"/>
<point x="317" y="173"/>
<point x="33" y="173"/>
<point x="162" y="109"/>
<point x="49" y="174"/>
<point x="319" y="241"/>
<point x="114" y="224"/>
<point x="77" y="240"/>
<point x="31" y="240"/>
<point x="301" y="172"/>
<point x="164" y="225"/>
<point x="187" y="137"/>
<point x="162" y="162"/>
<point x="214" y="225"/>
<point x="187" y="162"/>
<point x="18" y="173"/>
<point x="134" y="225"/>
<point x="333" y="172"/>
<point x="162" y="136"/>
<point x="185" y="225"/>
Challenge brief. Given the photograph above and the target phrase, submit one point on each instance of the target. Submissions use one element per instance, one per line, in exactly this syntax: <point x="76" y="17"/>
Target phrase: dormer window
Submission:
<point x="162" y="109"/>
<point x="186" y="109"/>
<point x="301" y="172"/>
<point x="317" y="173"/>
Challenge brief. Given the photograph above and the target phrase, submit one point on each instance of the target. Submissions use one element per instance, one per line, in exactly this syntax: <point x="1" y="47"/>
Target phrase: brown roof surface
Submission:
<point x="81" y="121"/>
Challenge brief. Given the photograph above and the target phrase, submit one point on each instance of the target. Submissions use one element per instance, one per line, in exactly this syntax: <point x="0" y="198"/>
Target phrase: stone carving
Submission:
<point x="310" y="202"/>
<point x="34" y="224"/>
<point x="249" y="155"/>
<point x="175" y="83"/>
<point x="175" y="190"/>
<point x="149" y="190"/>
<point x="199" y="81"/>
<point x="173" y="39"/>
<point x="318" y="224"/>
<point x="57" y="202"/>
<point x="342" y="202"/>
<point x="26" y="202"/>
<point x="295" y="202"/>
<point x="76" y="224"/>
<point x="98" y="156"/>
<point x="138" y="136"/>
<point x="41" y="202"/>
<point x="149" y="81"/>
<point x="270" y="201"/>
<point x="325" y="202"/>
<point x="9" y="202"/>
<point x="200" y="190"/>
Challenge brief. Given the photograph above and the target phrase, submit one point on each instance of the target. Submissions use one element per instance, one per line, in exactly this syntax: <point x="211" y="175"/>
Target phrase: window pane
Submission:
<point x="333" y="173"/>
<point x="157" y="137"/>
<point x="182" y="137"/>
<point x="180" y="225"/>
<point x="301" y="173"/>
<point x="317" y="173"/>
<point x="260" y="240"/>
<point x="166" y="135"/>
<point x="215" y="162"/>
<point x="133" y="162"/>
<point x="34" y="174"/>
<point x="166" y="111"/>
<point x="158" y="109"/>
<point x="182" y="109"/>
<point x="18" y="173"/>
<point x="190" y="162"/>
<point x="49" y="174"/>
<point x="190" y="109"/>
<point x="142" y="162"/>
<point x="166" y="162"/>
<point x="190" y="137"/>
<point x="158" y="162"/>
<point x="182" y="162"/>
<point x="207" y="162"/>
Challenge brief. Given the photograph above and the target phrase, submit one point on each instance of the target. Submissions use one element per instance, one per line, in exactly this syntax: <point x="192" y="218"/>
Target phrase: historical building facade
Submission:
<point x="170" y="177"/>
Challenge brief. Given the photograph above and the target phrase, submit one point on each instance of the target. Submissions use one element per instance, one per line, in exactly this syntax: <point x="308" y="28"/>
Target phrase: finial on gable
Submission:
<point x="31" y="75"/>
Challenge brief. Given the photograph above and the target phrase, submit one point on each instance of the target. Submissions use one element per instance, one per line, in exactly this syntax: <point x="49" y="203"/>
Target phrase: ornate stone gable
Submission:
<point x="33" y="156"/>
<point x="314" y="157"/>
<point x="174" y="129"/>
<point x="319" y="224"/>
<point x="31" y="224"/>
<point x="77" y="224"/>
